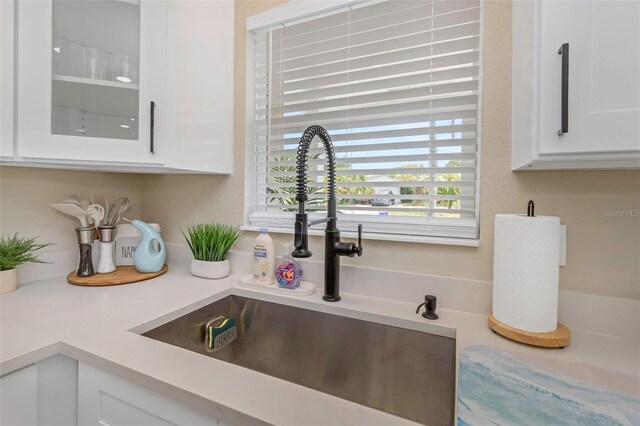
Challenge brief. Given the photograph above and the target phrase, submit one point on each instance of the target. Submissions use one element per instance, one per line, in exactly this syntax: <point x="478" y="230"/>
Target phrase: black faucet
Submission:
<point x="333" y="247"/>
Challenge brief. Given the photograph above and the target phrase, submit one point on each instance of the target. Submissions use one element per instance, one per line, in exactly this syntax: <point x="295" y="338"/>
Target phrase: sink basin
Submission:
<point x="404" y="372"/>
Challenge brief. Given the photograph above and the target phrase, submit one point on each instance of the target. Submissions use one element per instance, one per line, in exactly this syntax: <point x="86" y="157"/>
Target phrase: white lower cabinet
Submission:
<point x="19" y="397"/>
<point x="60" y="391"/>
<point x="43" y="394"/>
<point x="108" y="400"/>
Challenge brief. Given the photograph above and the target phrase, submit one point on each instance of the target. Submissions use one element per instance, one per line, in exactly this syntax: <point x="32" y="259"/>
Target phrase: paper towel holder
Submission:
<point x="559" y="338"/>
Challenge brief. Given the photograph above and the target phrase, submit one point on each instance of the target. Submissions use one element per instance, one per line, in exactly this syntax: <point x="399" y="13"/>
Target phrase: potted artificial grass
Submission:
<point x="15" y="251"/>
<point x="210" y="244"/>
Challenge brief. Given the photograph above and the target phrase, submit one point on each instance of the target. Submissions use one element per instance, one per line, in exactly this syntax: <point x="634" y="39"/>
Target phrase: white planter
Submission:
<point x="8" y="280"/>
<point x="212" y="270"/>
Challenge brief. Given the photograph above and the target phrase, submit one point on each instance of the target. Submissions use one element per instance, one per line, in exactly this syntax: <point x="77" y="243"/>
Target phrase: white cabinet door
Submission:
<point x="87" y="75"/>
<point x="19" y="397"/>
<point x="200" y="86"/>
<point x="105" y="399"/>
<point x="603" y="85"/>
<point x="604" y="76"/>
<point x="57" y="391"/>
<point x="6" y="79"/>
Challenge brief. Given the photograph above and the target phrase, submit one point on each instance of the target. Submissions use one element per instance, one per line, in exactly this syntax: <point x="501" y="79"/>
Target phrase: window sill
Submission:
<point x="465" y="242"/>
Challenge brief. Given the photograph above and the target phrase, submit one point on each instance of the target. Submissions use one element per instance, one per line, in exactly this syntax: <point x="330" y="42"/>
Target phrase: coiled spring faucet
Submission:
<point x="334" y="248"/>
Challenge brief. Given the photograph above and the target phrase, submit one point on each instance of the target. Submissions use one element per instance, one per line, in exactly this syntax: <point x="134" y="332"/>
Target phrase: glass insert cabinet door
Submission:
<point x="95" y="62"/>
<point x="101" y="73"/>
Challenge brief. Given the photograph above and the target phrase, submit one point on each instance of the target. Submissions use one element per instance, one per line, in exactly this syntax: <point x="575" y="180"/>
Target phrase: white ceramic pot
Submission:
<point x="8" y="280"/>
<point x="212" y="270"/>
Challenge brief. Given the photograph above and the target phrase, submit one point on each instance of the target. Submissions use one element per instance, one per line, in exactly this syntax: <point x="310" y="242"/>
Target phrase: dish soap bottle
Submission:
<point x="288" y="271"/>
<point x="263" y="258"/>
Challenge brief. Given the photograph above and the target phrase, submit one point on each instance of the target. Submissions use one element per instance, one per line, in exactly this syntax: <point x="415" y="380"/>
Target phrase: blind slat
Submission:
<point x="322" y="65"/>
<point x="380" y="171"/>
<point x="383" y="119"/>
<point x="409" y="158"/>
<point x="385" y="184"/>
<point x="395" y="12"/>
<point x="362" y="208"/>
<point x="401" y="95"/>
<point x="412" y="107"/>
<point x="466" y="142"/>
<point x="434" y="197"/>
<point x="387" y="83"/>
<point x="343" y="76"/>
<point x="397" y="133"/>
<point x="343" y="44"/>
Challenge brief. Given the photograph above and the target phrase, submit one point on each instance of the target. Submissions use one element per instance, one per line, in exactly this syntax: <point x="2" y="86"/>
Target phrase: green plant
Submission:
<point x="211" y="241"/>
<point x="16" y="250"/>
<point x="290" y="178"/>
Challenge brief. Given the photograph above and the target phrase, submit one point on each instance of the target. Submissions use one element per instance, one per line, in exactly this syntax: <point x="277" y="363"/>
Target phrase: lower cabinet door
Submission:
<point x="108" y="400"/>
<point x="19" y="397"/>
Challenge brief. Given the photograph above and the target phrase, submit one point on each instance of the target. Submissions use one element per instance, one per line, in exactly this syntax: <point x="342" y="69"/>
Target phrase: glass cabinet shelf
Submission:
<point x="95" y="82"/>
<point x="96" y="96"/>
<point x="94" y="108"/>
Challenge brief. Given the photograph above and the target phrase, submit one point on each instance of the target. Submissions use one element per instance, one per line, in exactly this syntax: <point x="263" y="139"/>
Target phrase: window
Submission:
<point x="396" y="84"/>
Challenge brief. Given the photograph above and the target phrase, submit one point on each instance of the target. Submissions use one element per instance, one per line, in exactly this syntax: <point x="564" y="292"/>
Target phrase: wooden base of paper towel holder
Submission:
<point x="554" y="339"/>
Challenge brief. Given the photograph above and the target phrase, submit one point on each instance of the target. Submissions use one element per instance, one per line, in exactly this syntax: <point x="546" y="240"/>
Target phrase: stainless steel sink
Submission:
<point x="403" y="372"/>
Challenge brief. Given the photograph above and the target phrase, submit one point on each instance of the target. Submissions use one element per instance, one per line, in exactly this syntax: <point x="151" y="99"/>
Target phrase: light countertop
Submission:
<point x="93" y="325"/>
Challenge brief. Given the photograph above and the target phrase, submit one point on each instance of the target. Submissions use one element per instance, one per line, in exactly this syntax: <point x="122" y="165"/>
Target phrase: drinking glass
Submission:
<point x="123" y="68"/>
<point x="67" y="57"/>
<point x="94" y="63"/>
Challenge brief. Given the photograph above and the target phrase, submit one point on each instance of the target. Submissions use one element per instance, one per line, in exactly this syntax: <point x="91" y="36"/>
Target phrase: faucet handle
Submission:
<point x="301" y="238"/>
<point x="297" y="237"/>
<point x="350" y="249"/>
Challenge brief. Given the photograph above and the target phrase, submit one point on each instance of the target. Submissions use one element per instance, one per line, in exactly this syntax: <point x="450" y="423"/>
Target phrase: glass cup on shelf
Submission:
<point x="123" y="68"/>
<point x="93" y="63"/>
<point x="67" y="57"/>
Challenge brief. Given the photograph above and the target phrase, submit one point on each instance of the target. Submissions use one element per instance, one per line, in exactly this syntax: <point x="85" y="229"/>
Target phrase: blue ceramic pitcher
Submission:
<point x="146" y="258"/>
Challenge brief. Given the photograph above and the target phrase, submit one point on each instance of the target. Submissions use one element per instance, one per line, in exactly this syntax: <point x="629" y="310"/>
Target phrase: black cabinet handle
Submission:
<point x="564" y="107"/>
<point x="151" y="125"/>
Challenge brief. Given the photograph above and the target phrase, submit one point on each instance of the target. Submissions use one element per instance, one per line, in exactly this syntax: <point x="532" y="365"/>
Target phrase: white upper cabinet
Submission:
<point x="200" y="57"/>
<point x="6" y="79"/>
<point x="130" y="85"/>
<point x="576" y="84"/>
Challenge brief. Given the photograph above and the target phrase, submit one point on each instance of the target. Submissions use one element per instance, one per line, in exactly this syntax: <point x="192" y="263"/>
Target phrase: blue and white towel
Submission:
<point x="500" y="387"/>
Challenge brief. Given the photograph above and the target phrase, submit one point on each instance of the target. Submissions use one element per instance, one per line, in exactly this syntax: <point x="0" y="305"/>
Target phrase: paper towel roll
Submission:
<point x="526" y="271"/>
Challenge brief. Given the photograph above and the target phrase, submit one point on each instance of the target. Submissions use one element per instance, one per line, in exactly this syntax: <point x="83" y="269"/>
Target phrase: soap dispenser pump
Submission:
<point x="145" y="258"/>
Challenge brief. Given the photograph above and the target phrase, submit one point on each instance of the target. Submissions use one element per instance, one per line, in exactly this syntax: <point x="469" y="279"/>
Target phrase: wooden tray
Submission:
<point x="122" y="275"/>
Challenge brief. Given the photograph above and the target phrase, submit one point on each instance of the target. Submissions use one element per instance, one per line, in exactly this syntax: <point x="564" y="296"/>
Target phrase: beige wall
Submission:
<point x="603" y="251"/>
<point x="25" y="195"/>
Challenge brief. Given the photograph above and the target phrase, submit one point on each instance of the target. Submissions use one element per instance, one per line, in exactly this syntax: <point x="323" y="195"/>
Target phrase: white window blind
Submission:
<point x="396" y="84"/>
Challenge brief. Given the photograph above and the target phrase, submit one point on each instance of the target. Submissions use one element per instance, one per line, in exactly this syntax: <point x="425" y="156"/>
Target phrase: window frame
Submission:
<point x="299" y="10"/>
